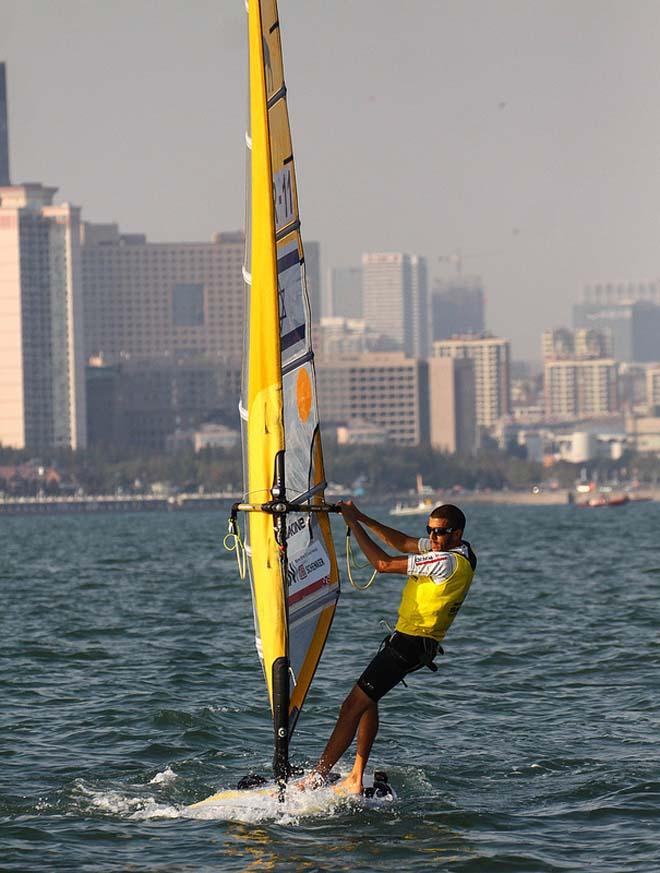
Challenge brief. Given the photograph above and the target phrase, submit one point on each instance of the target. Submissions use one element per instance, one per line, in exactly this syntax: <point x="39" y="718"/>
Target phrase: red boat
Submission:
<point x="595" y="502"/>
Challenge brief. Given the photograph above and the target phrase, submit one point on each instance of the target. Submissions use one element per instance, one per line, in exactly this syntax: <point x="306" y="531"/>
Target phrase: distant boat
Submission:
<point x="423" y="507"/>
<point x="597" y="502"/>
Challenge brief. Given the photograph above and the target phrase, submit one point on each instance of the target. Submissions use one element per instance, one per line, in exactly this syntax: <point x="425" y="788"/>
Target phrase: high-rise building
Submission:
<point x="150" y="301"/>
<point x="395" y="299"/>
<point x="388" y="390"/>
<point x="345" y="292"/>
<point x="492" y="372"/>
<point x="4" y="130"/>
<point x="579" y="388"/>
<point x="634" y="326"/>
<point x="457" y="307"/>
<point x="42" y="375"/>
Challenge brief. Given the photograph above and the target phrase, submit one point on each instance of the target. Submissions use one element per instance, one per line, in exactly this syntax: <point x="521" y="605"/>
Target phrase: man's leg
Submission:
<point x="351" y="714"/>
<point x="367" y="730"/>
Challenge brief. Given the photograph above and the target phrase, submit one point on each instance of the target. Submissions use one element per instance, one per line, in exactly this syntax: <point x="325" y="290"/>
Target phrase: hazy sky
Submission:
<point x="524" y="132"/>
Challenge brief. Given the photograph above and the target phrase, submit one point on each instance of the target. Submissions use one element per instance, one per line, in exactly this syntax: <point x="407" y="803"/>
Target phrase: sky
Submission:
<point x="523" y="133"/>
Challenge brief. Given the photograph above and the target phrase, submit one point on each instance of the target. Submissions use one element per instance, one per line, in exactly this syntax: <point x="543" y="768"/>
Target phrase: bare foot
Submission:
<point x="350" y="785"/>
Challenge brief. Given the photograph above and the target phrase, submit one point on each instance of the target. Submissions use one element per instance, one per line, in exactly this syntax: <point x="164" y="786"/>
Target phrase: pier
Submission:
<point x="112" y="503"/>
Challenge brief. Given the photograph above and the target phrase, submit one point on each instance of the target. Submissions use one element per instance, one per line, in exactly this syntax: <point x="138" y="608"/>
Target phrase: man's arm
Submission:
<point x="378" y="559"/>
<point x="398" y="540"/>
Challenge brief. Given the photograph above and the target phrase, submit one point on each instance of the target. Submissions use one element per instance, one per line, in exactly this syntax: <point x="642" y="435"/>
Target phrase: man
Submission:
<point x="439" y="569"/>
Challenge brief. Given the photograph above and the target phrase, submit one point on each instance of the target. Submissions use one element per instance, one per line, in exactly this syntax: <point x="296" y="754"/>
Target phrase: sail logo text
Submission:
<point x="296" y="526"/>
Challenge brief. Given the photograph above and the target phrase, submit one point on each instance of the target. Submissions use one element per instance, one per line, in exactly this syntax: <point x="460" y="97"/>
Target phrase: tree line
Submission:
<point x="378" y="470"/>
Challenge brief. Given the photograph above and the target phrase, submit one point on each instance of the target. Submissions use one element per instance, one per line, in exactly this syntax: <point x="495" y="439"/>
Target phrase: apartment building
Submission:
<point x="491" y="357"/>
<point x="581" y="388"/>
<point x="42" y="370"/>
<point x="388" y="390"/>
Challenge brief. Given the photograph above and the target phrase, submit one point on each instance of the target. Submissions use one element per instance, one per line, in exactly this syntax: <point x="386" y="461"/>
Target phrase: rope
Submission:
<point x="350" y="559"/>
<point x="233" y="543"/>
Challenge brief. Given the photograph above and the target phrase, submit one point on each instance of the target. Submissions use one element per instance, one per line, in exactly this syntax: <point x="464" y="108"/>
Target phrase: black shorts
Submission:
<point x="399" y="655"/>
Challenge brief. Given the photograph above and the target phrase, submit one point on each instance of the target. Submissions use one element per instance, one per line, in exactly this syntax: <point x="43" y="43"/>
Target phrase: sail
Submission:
<point x="294" y="593"/>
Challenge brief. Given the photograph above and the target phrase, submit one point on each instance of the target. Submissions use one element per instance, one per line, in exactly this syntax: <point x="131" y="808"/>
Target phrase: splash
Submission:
<point x="165" y="778"/>
<point x="263" y="805"/>
<point x="120" y="804"/>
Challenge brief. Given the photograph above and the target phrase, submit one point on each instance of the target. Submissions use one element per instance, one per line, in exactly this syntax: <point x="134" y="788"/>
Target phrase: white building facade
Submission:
<point x="42" y="371"/>
<point x="575" y="388"/>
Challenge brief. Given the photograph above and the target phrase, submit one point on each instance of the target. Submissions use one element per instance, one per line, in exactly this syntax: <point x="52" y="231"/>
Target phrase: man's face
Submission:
<point x="442" y="541"/>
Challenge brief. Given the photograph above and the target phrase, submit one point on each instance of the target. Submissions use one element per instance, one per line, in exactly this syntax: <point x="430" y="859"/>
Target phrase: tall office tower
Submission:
<point x="606" y="293"/>
<point x="457" y="307"/>
<point x="150" y="301"/>
<point x="42" y="371"/>
<point x="492" y="371"/>
<point x="563" y="344"/>
<point x="4" y="130"/>
<point x="313" y="273"/>
<point x="452" y="405"/>
<point x="395" y="299"/>
<point x="581" y="388"/>
<point x="388" y="390"/>
<point x="634" y="326"/>
<point x="345" y="292"/>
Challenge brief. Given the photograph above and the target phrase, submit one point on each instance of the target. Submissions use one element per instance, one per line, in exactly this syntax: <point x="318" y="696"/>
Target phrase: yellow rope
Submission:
<point x="233" y="543"/>
<point x="350" y="559"/>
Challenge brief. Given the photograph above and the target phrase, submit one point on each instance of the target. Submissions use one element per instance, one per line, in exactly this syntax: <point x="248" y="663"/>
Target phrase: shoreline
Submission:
<point x="561" y="497"/>
<point x="219" y="500"/>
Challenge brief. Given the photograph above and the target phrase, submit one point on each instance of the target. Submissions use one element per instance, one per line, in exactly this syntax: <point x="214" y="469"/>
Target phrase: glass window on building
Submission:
<point x="188" y="305"/>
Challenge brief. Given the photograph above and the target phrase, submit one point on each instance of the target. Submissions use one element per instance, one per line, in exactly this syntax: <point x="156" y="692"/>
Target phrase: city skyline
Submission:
<point x="521" y="135"/>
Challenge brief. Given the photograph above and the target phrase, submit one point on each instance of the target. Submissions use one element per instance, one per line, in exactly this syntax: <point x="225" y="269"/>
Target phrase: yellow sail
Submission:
<point x="294" y="580"/>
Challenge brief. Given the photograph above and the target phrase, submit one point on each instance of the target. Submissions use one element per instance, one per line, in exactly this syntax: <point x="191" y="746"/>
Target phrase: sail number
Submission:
<point x="283" y="197"/>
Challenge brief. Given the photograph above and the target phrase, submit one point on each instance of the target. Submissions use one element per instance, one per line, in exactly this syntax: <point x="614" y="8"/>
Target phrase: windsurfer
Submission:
<point x="439" y="568"/>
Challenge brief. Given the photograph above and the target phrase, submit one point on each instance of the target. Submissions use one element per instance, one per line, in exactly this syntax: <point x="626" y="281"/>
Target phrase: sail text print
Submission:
<point x="296" y="526"/>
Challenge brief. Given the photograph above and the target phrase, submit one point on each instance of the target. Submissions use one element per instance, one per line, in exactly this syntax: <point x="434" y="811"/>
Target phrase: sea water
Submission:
<point x="130" y="688"/>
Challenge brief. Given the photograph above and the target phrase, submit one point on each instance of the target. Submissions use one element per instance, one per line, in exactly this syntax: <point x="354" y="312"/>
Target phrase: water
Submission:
<point x="130" y="688"/>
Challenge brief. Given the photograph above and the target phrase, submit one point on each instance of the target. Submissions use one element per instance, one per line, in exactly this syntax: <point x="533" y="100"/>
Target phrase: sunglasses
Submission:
<point x="439" y="531"/>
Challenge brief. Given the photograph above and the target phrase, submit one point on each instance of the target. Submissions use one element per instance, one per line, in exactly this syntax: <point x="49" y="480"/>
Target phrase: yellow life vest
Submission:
<point x="428" y="606"/>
